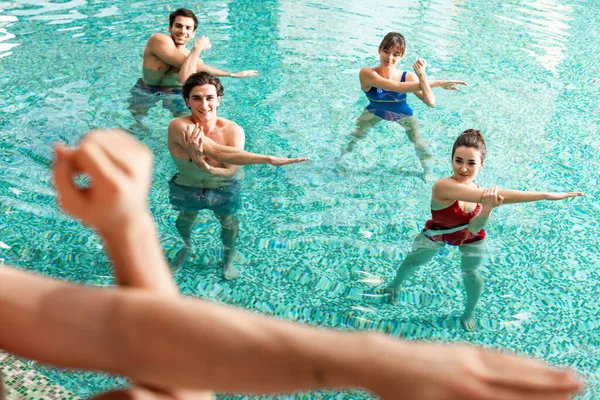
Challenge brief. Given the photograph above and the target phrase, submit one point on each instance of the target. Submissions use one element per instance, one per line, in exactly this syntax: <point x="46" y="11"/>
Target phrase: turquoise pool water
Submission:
<point x="314" y="240"/>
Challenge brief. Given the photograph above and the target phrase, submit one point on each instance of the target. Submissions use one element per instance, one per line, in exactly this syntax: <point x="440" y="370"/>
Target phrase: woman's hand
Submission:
<point x="490" y="198"/>
<point x="563" y="195"/>
<point x="450" y="84"/>
<point x="419" y="67"/>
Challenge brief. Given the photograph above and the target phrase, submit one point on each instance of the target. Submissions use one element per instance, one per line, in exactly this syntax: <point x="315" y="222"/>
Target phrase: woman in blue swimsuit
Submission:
<point x="386" y="88"/>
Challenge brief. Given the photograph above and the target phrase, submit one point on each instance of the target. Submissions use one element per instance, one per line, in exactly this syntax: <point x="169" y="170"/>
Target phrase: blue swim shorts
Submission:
<point x="225" y="200"/>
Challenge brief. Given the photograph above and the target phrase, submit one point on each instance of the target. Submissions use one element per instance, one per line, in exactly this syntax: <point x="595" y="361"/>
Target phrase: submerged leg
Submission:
<point x="422" y="252"/>
<point x="473" y="255"/>
<point x="411" y="125"/>
<point x="184" y="224"/>
<point x="365" y="122"/>
<point x="139" y="105"/>
<point x="229" y="232"/>
<point x="176" y="105"/>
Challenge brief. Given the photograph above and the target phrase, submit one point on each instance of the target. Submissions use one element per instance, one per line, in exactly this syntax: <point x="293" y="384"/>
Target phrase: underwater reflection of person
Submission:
<point x="386" y="87"/>
<point x="459" y="211"/>
<point x="207" y="151"/>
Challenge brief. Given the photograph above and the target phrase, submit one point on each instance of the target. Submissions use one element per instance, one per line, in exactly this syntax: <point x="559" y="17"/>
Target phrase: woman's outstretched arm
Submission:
<point x="448" y="190"/>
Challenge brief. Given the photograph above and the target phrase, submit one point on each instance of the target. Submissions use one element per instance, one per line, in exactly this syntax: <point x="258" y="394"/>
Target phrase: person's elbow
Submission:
<point x="182" y="76"/>
<point x="214" y="152"/>
<point x="430" y="103"/>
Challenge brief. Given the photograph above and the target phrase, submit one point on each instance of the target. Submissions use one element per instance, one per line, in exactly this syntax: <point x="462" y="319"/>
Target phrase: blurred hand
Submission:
<point x="244" y="74"/>
<point x="120" y="171"/>
<point x="429" y="371"/>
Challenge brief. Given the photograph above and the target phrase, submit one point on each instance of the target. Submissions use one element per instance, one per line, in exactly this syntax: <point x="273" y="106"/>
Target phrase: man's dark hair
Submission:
<point x="183" y="12"/>
<point x="199" y="79"/>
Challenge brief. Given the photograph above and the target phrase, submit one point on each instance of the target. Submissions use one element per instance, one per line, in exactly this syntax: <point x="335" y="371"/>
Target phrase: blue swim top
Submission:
<point x="388" y="104"/>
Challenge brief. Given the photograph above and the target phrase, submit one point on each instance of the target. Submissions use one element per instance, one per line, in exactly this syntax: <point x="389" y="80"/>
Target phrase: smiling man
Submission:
<point x="207" y="151"/>
<point x="163" y="57"/>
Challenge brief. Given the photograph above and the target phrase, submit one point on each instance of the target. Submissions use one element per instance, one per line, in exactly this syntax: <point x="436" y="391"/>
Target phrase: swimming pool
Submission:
<point x="314" y="239"/>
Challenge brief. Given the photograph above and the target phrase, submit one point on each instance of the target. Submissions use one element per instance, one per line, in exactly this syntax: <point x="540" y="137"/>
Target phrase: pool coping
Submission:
<point x="21" y="382"/>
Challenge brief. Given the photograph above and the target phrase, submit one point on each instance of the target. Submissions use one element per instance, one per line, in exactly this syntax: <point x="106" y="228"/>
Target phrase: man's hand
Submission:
<point x="202" y="43"/>
<point x="279" y="161"/>
<point x="244" y="74"/>
<point x="120" y="171"/>
<point x="193" y="137"/>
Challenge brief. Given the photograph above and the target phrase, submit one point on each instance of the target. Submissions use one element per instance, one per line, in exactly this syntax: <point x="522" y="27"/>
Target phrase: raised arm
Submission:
<point x="138" y="263"/>
<point x="191" y="63"/>
<point x="426" y="94"/>
<point x="161" y="46"/>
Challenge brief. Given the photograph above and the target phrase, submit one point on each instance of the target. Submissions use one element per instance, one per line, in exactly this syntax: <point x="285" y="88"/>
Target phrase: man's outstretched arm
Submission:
<point x="190" y="138"/>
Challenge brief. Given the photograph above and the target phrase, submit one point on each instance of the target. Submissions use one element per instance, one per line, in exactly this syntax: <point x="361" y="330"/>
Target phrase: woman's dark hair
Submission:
<point x="183" y="12"/>
<point x="199" y="79"/>
<point x="470" y="138"/>
<point x="391" y="40"/>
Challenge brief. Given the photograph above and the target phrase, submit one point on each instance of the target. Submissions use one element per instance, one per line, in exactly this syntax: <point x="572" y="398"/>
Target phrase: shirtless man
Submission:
<point x="207" y="151"/>
<point x="162" y="59"/>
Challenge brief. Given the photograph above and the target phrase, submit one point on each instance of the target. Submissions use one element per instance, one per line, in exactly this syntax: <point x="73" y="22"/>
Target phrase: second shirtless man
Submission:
<point x="162" y="59"/>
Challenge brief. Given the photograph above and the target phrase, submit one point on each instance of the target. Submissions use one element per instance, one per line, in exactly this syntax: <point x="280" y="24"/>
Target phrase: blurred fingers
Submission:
<point x="69" y="196"/>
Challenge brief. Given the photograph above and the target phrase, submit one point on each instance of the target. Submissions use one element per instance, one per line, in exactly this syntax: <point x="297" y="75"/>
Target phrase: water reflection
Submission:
<point x="546" y="23"/>
<point x="6" y="21"/>
<point x="43" y="8"/>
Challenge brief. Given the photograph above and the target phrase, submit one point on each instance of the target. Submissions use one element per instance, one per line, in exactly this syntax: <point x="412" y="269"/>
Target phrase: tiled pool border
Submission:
<point x="21" y="382"/>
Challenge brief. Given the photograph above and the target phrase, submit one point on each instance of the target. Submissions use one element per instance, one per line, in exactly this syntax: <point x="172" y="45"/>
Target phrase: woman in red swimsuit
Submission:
<point x="459" y="211"/>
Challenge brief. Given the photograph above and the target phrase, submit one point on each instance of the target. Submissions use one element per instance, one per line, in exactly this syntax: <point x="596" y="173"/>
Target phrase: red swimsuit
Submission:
<point x="450" y="225"/>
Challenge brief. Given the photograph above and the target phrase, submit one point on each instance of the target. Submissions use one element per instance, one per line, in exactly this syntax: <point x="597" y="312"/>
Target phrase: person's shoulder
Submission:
<point x="411" y="77"/>
<point x="180" y="122"/>
<point x="159" y="37"/>
<point x="443" y="183"/>
<point x="366" y="71"/>
<point x="230" y="126"/>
